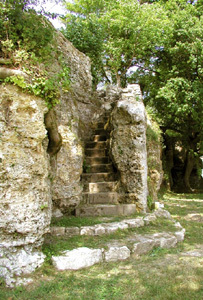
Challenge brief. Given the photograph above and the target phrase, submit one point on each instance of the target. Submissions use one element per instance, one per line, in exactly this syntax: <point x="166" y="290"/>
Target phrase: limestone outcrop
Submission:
<point x="128" y="147"/>
<point x="154" y="160"/>
<point x="41" y="160"/>
<point x="25" y="194"/>
<point x="72" y="116"/>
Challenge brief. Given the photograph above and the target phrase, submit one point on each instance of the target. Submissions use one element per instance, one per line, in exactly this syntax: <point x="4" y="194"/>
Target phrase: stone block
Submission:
<point x="71" y="231"/>
<point x="168" y="241"/>
<point x="57" y="213"/>
<point x="122" y="225"/>
<point x="143" y="246"/>
<point x="99" y="230"/>
<point x="87" y="230"/>
<point x="158" y="205"/>
<point x="150" y="218"/>
<point x="180" y="235"/>
<point x="117" y="253"/>
<point x="162" y="213"/>
<point x="134" y="223"/>
<point x="178" y="225"/>
<point x="77" y="259"/>
<point x="55" y="230"/>
<point x="110" y="228"/>
<point x="129" y="209"/>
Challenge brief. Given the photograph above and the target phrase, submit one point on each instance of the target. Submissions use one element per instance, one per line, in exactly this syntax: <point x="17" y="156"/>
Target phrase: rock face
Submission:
<point x="25" y="205"/>
<point x="35" y="169"/>
<point x="128" y="147"/>
<point x="154" y="162"/>
<point x="73" y="116"/>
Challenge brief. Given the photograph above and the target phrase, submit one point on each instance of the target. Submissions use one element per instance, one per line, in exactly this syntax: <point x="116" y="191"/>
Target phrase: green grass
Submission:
<point x="162" y="274"/>
<point x="68" y="221"/>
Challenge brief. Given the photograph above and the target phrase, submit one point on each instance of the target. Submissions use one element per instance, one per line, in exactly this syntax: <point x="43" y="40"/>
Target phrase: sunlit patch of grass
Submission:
<point x="161" y="274"/>
<point x="71" y="221"/>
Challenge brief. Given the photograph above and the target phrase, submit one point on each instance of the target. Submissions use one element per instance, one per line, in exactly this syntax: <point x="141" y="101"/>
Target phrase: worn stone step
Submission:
<point x="106" y="210"/>
<point x="101" y="168"/>
<point x="97" y="160"/>
<point x="114" y="251"/>
<point x="101" y="131"/>
<point x="98" y="138"/>
<point x="100" y="125"/>
<point x="98" y="177"/>
<point x="96" y="145"/>
<point x="96" y="152"/>
<point x="100" y="198"/>
<point x="96" y="187"/>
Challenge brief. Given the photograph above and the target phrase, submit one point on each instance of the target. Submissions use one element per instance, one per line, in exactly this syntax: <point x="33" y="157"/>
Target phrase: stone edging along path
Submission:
<point x="138" y="244"/>
<point x="106" y="228"/>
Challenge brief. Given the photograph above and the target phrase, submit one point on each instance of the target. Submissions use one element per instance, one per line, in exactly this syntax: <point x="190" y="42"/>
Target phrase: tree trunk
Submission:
<point x="169" y="159"/>
<point x="188" y="170"/>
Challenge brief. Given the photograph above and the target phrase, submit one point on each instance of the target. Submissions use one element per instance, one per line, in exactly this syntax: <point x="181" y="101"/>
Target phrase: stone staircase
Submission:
<point x="99" y="180"/>
<point x="133" y="244"/>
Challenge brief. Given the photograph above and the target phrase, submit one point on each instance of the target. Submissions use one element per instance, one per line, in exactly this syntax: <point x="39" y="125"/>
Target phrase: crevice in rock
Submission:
<point x="55" y="139"/>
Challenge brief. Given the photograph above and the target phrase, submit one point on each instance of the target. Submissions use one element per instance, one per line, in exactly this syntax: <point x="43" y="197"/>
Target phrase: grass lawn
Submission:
<point x="167" y="274"/>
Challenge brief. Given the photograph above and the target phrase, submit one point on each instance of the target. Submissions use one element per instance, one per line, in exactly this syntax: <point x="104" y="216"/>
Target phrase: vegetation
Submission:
<point x="27" y="43"/>
<point x="162" y="40"/>
<point x="162" y="274"/>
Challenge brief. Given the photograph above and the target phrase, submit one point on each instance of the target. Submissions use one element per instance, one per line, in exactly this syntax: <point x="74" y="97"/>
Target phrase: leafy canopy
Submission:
<point x="114" y="34"/>
<point x="162" y="40"/>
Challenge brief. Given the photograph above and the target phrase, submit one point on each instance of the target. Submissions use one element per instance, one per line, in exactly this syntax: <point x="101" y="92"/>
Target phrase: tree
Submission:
<point x="21" y="24"/>
<point x="113" y="33"/>
<point x="163" y="39"/>
<point x="174" y="88"/>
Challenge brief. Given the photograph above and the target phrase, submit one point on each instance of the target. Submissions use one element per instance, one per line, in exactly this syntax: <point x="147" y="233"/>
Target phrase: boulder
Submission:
<point x="117" y="253"/>
<point x="77" y="259"/>
<point x="128" y="146"/>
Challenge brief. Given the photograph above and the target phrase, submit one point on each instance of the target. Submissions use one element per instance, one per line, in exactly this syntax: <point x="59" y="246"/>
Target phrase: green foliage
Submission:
<point x="20" y="23"/>
<point x="27" y="40"/>
<point x="162" y="39"/>
<point x="86" y="167"/>
<point x="149" y="202"/>
<point x="43" y="85"/>
<point x="112" y="33"/>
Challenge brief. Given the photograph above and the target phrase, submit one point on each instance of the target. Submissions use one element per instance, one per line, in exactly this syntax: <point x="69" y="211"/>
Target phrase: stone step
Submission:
<point x="98" y="138"/>
<point x="101" y="168"/>
<point x="101" y="131"/>
<point x="100" y="198"/>
<point x="96" y="145"/>
<point x="126" y="223"/>
<point x="100" y="125"/>
<point x="106" y="210"/>
<point x="114" y="251"/>
<point x="96" y="187"/>
<point x="98" y="177"/>
<point x="96" y="152"/>
<point x="97" y="160"/>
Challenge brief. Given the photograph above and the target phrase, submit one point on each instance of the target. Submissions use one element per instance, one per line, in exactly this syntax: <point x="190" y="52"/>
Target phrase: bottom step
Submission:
<point x="106" y="210"/>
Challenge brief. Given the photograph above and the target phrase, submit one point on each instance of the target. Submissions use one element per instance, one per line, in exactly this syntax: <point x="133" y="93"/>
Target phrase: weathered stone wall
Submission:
<point x="154" y="160"/>
<point x="31" y="178"/>
<point x="128" y="147"/>
<point x="25" y="195"/>
<point x="74" y="116"/>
